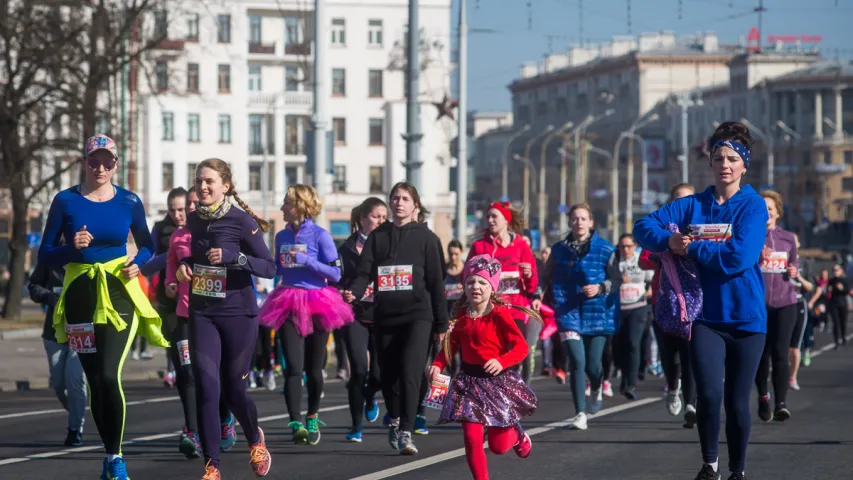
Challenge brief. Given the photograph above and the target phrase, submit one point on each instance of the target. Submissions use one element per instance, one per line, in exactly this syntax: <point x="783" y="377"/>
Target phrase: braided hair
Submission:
<point x="221" y="167"/>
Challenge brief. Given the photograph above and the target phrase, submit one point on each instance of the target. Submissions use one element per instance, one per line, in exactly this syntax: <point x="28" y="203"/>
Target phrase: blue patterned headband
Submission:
<point x="734" y="145"/>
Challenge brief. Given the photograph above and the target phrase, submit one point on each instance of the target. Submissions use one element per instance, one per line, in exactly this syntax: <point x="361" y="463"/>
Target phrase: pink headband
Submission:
<point x="485" y="266"/>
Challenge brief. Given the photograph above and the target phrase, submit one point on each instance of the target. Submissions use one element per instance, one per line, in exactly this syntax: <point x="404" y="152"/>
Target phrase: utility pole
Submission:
<point x="413" y="110"/>
<point x="685" y="100"/>
<point x="318" y="120"/>
<point x="505" y="164"/>
<point x="462" y="136"/>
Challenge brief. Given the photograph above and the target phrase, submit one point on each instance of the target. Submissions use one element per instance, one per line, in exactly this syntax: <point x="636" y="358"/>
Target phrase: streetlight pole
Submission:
<point x="685" y="100"/>
<point x="462" y="135"/>
<point x="767" y="137"/>
<point x="319" y="120"/>
<point x="542" y="171"/>
<point x="413" y="112"/>
<point x="527" y="148"/>
<point x="614" y="174"/>
<point x="505" y="162"/>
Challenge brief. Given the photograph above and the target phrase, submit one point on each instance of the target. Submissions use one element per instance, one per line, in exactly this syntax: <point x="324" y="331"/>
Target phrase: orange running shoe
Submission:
<point x="560" y="376"/>
<point x="260" y="457"/>
<point x="211" y="472"/>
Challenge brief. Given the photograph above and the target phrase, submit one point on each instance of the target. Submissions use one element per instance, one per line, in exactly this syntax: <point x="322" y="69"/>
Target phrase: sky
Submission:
<point x="503" y="34"/>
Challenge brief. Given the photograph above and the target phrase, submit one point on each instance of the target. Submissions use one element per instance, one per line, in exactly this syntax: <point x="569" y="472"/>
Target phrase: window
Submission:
<point x="255" y="176"/>
<point x="168" y="176"/>
<point x="847" y="185"/>
<point x="291" y="78"/>
<point x="376" y="134"/>
<point x="192" y="27"/>
<point x="827" y="158"/>
<point x="223" y="28"/>
<point x="168" y="126"/>
<point x="191" y="168"/>
<point x="374" y="33"/>
<point x="376" y="177"/>
<point x="224" y="128"/>
<point x="192" y="77"/>
<point x="255" y="142"/>
<point x="291" y="174"/>
<point x="848" y="157"/>
<point x="339" y="82"/>
<point x="340" y="127"/>
<point x="225" y="79"/>
<point x="193" y="127"/>
<point x="294" y="127"/>
<point x="339" y="178"/>
<point x="255" y="28"/>
<point x="161" y="24"/>
<point x="292" y="32"/>
<point x="254" y="78"/>
<point x="374" y="83"/>
<point x="161" y="76"/>
<point x="339" y="27"/>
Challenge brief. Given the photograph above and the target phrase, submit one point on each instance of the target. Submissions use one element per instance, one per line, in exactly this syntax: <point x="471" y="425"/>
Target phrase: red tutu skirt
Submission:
<point x="309" y="310"/>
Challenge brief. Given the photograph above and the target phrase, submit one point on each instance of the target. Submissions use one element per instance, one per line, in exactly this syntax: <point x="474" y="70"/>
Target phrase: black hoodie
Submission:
<point x="349" y="256"/>
<point x="415" y="292"/>
<point x="45" y="286"/>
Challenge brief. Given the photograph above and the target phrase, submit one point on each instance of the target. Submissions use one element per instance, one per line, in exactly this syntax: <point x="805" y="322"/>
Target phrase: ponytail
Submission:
<point x="262" y="224"/>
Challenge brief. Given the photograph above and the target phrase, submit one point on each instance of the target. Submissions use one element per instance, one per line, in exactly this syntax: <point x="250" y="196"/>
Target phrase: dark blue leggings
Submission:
<point x="735" y="354"/>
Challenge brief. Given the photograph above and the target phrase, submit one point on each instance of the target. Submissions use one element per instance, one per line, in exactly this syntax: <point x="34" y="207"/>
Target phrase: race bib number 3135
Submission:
<point x="209" y="281"/>
<point x="394" y="278"/>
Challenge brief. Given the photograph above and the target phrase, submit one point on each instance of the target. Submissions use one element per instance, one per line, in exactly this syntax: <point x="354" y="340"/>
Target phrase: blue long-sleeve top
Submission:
<point x="729" y="271"/>
<point x="235" y="233"/>
<point x="314" y="260"/>
<point x="109" y="223"/>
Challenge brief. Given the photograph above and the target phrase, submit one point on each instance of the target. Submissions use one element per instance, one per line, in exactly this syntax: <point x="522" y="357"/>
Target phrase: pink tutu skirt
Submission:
<point x="309" y="310"/>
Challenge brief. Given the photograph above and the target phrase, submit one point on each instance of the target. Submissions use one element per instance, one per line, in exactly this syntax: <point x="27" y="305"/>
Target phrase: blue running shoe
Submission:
<point x="115" y="470"/>
<point x="386" y="420"/>
<point x="596" y="396"/>
<point x="228" y="437"/>
<point x="421" y="425"/>
<point x="371" y="410"/>
<point x="354" y="435"/>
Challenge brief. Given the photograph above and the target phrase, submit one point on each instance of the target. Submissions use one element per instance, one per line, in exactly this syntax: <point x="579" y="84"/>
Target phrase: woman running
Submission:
<point x="102" y="306"/>
<point x="802" y="331"/>
<point x="226" y="250"/>
<point x="727" y="226"/>
<point x="454" y="289"/>
<point x="634" y="312"/>
<point x="364" y="378"/>
<point x="675" y="351"/>
<point x="839" y="290"/>
<point x="303" y="308"/>
<point x="779" y="264"/>
<point x="519" y="277"/>
<point x="404" y="261"/>
<point x="583" y="272"/>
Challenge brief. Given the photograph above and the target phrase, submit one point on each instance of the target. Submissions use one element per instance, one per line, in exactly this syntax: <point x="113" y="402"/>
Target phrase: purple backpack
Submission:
<point x="679" y="299"/>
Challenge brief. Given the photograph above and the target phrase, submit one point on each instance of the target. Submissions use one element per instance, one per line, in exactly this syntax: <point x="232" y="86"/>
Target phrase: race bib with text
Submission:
<point x="776" y="263"/>
<point x="569" y="336"/>
<point x="368" y="294"/>
<point x="711" y="232"/>
<point x="394" y="278"/>
<point x="437" y="392"/>
<point x="209" y="281"/>
<point x="287" y="254"/>
<point x="509" y="283"/>
<point x="631" y="292"/>
<point x="81" y="337"/>
<point x="184" y="352"/>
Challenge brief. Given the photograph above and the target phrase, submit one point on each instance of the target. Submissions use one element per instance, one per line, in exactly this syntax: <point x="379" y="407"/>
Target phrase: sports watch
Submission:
<point x="242" y="260"/>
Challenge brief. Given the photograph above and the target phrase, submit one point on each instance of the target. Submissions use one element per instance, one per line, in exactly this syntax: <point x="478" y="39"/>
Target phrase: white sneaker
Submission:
<point x="608" y="389"/>
<point x="793" y="384"/>
<point x="578" y="422"/>
<point x="586" y="392"/>
<point x="269" y="380"/>
<point x="252" y="381"/>
<point x="135" y="355"/>
<point x="673" y="402"/>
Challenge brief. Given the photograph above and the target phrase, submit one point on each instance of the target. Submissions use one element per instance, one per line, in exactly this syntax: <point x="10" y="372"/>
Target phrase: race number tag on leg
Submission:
<point x="776" y="263"/>
<point x="81" y="337"/>
<point x="368" y="294"/>
<point x="509" y="283"/>
<point x="631" y="292"/>
<point x="437" y="392"/>
<point x="209" y="281"/>
<point x="569" y="336"/>
<point x="184" y="352"/>
<point x="394" y="278"/>
<point x="287" y="254"/>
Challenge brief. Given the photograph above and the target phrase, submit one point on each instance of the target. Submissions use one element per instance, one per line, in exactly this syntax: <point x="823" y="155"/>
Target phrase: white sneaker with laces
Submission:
<point x="793" y="384"/>
<point x="673" y="402"/>
<point x="269" y="380"/>
<point x="608" y="389"/>
<point x="578" y="422"/>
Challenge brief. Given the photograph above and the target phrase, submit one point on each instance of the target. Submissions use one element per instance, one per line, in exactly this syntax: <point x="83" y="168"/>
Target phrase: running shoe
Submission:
<point x="314" y="429"/>
<point x="421" y="425"/>
<point x="560" y="376"/>
<point x="342" y="374"/>
<point x="630" y="393"/>
<point x="189" y="444"/>
<point x="607" y="389"/>
<point x="522" y="448"/>
<point x="269" y="380"/>
<point x="807" y="358"/>
<point x="596" y="397"/>
<point x="298" y="432"/>
<point x="737" y="476"/>
<point x="764" y="412"/>
<point x="211" y="472"/>
<point x="689" y="416"/>
<point x="253" y="382"/>
<point x="115" y="470"/>
<point x="707" y="473"/>
<point x="371" y="410"/>
<point x="407" y="447"/>
<point x="578" y="422"/>
<point x="259" y="456"/>
<point x="673" y="402"/>
<point x="546" y="371"/>
<point x="793" y="384"/>
<point x="74" y="438"/>
<point x="386" y="420"/>
<point x="781" y="413"/>
<point x="586" y="392"/>
<point x="169" y="379"/>
<point x="354" y="435"/>
<point x="394" y="435"/>
<point x="227" y="437"/>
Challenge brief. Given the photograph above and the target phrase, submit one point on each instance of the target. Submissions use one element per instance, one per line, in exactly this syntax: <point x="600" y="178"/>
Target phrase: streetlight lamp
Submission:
<point x="542" y="154"/>
<point x="686" y="100"/>
<point x="505" y="174"/>
<point x="768" y="140"/>
<point x="788" y="130"/>
<point x="614" y="174"/>
<point x="527" y="165"/>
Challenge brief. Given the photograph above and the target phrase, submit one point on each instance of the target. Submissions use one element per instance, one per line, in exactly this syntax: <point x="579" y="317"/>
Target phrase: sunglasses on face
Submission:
<point x="107" y="163"/>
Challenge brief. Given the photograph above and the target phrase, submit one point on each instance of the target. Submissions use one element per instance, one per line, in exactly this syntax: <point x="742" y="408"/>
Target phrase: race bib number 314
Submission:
<point x="81" y="337"/>
<point x="394" y="278"/>
<point x="209" y="281"/>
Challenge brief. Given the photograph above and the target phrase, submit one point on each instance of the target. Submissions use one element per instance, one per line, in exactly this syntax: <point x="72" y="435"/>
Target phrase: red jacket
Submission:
<point x="479" y="340"/>
<point x="646" y="263"/>
<point x="510" y="256"/>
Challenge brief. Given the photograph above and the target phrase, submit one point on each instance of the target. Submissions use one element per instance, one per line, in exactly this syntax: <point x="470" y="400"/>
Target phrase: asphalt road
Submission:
<point x="627" y="440"/>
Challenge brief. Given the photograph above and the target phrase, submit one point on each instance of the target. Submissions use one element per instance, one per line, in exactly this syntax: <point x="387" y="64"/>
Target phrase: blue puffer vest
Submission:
<point x="573" y="310"/>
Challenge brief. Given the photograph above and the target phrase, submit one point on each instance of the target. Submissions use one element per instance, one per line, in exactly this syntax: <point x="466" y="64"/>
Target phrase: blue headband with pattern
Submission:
<point x="738" y="147"/>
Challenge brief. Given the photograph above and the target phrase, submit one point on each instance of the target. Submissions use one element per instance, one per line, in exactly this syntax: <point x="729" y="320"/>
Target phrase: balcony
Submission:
<point x="258" y="149"/>
<point x="284" y="100"/>
<point x="294" y="149"/>
<point x="303" y="48"/>
<point x="170" y="44"/>
<point x="258" y="47"/>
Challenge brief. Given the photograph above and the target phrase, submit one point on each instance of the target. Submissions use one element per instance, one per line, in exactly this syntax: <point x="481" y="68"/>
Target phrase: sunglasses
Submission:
<point x="107" y="163"/>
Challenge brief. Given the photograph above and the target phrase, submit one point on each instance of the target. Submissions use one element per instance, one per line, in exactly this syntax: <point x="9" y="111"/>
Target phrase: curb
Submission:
<point x="22" y="333"/>
<point x="42" y="383"/>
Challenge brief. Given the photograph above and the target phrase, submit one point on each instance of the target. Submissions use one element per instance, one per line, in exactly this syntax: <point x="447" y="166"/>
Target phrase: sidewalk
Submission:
<point x="23" y="365"/>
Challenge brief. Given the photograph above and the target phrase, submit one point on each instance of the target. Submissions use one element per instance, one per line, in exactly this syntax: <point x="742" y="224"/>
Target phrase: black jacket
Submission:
<point x="162" y="233"/>
<point x="45" y="286"/>
<point x="349" y="271"/>
<point x="416" y="297"/>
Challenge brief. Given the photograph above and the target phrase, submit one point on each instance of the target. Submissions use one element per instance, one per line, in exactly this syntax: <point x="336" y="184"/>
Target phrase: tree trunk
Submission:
<point x="17" y="249"/>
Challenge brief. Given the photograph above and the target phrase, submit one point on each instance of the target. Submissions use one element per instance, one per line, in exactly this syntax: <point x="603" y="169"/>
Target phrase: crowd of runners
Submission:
<point x="707" y="288"/>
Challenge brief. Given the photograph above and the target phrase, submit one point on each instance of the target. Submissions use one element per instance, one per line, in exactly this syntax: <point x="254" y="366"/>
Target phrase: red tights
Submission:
<point x="501" y="440"/>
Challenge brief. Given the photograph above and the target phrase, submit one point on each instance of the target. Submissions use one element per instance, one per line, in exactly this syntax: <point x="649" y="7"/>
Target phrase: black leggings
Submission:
<point x="302" y="354"/>
<point x="364" y="378"/>
<point x="838" y="311"/>
<point x="402" y="351"/>
<point x="103" y="367"/>
<point x="177" y="333"/>
<point x="673" y="350"/>
<point x="629" y="343"/>
<point x="780" y="327"/>
<point x="607" y="359"/>
<point x="263" y="350"/>
<point x="341" y="350"/>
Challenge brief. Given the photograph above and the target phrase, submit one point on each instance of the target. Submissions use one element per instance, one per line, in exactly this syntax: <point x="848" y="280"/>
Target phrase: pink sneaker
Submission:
<point x="608" y="389"/>
<point x="260" y="457"/>
<point x="522" y="448"/>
